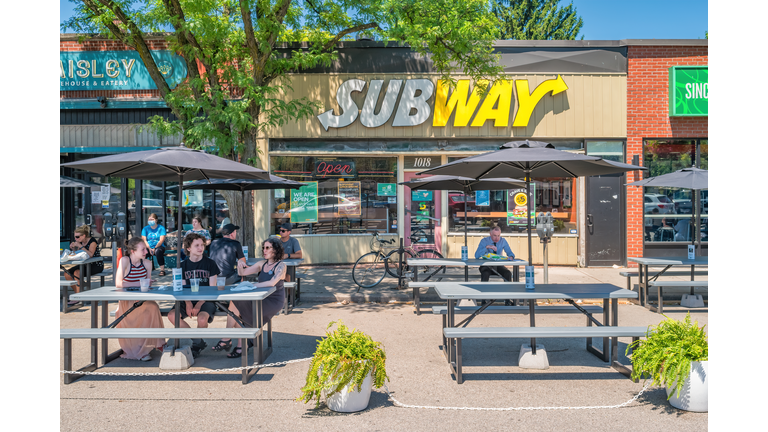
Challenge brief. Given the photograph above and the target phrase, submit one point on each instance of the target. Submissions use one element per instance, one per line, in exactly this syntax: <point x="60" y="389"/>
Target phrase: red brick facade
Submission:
<point x="648" y="117"/>
<point x="108" y="45"/>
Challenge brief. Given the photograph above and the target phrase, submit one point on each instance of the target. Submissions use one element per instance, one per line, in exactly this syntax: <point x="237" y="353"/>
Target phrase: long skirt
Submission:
<point x="145" y="316"/>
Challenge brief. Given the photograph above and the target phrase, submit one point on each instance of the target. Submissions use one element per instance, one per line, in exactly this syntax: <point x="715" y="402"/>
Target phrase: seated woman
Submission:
<point x="271" y="273"/>
<point x="132" y="268"/>
<point x="197" y="228"/>
<point x="154" y="239"/>
<point x="84" y="241"/>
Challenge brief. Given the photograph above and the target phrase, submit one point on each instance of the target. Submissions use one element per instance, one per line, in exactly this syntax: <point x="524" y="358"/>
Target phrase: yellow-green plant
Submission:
<point x="667" y="352"/>
<point x="341" y="358"/>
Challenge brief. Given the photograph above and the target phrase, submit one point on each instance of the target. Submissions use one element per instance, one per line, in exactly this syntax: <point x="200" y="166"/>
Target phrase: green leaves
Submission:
<point x="343" y="357"/>
<point x="537" y="20"/>
<point x="667" y="352"/>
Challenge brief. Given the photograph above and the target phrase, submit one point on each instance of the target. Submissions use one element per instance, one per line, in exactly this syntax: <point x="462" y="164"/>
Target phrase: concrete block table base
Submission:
<point x="692" y="301"/>
<point x="527" y="360"/>
<point x="467" y="302"/>
<point x="182" y="359"/>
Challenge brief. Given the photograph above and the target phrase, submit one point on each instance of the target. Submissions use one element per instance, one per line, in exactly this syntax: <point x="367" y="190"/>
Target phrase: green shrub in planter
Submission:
<point x="667" y="352"/>
<point x="341" y="358"/>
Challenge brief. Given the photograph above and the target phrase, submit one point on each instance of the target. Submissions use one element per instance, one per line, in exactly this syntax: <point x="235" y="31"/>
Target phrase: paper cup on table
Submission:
<point x="144" y="284"/>
<point x="194" y="283"/>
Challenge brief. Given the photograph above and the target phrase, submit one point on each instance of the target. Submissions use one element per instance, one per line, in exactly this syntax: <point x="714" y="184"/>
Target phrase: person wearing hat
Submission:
<point x="291" y="247"/>
<point x="228" y="254"/>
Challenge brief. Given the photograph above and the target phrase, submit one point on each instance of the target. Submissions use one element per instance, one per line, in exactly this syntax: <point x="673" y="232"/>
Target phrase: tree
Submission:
<point x="239" y="54"/>
<point x="537" y="20"/>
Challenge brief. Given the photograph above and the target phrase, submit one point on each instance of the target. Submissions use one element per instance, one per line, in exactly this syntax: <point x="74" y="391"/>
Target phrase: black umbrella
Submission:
<point x="525" y="159"/>
<point x="686" y="178"/>
<point x="464" y="184"/>
<point x="169" y="164"/>
<point x="243" y="185"/>
<point x="65" y="181"/>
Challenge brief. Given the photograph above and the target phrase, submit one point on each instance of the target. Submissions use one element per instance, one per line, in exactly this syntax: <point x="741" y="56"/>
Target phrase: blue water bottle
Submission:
<point x="464" y="253"/>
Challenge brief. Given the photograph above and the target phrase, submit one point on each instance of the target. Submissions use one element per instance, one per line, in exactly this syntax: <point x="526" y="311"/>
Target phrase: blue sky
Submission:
<point x="607" y="19"/>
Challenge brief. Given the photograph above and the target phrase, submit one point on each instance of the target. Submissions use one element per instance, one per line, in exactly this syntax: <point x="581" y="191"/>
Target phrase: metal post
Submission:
<point x="400" y="265"/>
<point x="546" y="260"/>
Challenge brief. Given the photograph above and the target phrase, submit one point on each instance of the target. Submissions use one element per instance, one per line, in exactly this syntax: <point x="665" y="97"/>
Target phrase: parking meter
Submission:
<point x="108" y="227"/>
<point x="121" y="224"/>
<point x="544" y="226"/>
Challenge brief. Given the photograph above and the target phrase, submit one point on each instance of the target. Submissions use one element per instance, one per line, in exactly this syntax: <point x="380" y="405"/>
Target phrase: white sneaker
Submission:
<point x="146" y="358"/>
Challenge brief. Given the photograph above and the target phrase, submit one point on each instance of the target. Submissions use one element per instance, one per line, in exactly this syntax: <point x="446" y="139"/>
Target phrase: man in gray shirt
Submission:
<point x="291" y="247"/>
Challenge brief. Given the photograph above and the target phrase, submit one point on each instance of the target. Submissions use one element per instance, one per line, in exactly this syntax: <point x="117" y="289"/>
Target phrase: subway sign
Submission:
<point x="413" y="108"/>
<point x="116" y="70"/>
<point x="688" y="91"/>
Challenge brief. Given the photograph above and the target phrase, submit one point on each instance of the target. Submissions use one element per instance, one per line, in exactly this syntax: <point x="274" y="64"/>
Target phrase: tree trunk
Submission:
<point x="242" y="216"/>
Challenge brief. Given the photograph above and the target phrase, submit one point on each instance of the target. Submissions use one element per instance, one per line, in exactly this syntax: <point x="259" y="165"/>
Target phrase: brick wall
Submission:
<point x="108" y="45"/>
<point x="648" y="117"/>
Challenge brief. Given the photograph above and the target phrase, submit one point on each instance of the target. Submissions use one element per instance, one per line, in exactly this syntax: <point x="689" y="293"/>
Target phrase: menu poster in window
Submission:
<point x="193" y="198"/>
<point x="386" y="189"/>
<point x="421" y="195"/>
<point x="555" y="194"/>
<point x="567" y="193"/>
<point x="105" y="196"/>
<point x="349" y="198"/>
<point x="483" y="198"/>
<point x="96" y="197"/>
<point x="304" y="203"/>
<point x="517" y="206"/>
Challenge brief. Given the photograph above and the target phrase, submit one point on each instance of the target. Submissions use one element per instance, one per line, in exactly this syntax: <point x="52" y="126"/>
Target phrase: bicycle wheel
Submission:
<point x="393" y="267"/>
<point x="427" y="272"/>
<point x="369" y="270"/>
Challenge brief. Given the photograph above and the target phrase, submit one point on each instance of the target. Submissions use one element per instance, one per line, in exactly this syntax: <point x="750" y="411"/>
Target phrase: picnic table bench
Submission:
<point x="660" y="285"/>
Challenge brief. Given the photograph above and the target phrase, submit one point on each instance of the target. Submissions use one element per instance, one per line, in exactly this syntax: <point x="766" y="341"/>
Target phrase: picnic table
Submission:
<point x="607" y="329"/>
<point x="645" y="279"/>
<point x="85" y="270"/>
<point x="456" y="262"/>
<point x="102" y="296"/>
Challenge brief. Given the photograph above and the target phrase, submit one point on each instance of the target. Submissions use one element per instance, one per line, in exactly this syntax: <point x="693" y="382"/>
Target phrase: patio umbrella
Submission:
<point x="526" y="159"/>
<point x="687" y="178"/>
<point x="169" y="164"/>
<point x="65" y="181"/>
<point x="243" y="185"/>
<point x="464" y="184"/>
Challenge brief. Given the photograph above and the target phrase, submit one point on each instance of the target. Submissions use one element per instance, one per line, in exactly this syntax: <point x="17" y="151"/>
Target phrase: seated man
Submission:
<point x="495" y="244"/>
<point x="291" y="247"/>
<point x="228" y="254"/>
<point x="205" y="269"/>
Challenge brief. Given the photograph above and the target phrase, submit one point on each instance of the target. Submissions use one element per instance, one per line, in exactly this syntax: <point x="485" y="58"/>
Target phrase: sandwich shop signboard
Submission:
<point x="116" y="70"/>
<point x="414" y="109"/>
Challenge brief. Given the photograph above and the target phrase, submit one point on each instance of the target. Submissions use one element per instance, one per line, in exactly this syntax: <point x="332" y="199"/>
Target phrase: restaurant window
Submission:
<point x="500" y="208"/>
<point x="341" y="194"/>
<point x="668" y="213"/>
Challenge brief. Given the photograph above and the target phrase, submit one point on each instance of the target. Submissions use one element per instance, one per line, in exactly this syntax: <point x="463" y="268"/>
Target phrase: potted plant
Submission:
<point x="344" y="368"/>
<point x="675" y="354"/>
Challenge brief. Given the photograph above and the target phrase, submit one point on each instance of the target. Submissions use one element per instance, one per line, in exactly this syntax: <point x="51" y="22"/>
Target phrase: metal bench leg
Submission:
<point x="68" y="360"/>
<point x="285" y="302"/>
<point x="623" y="369"/>
<point x="417" y="300"/>
<point x="459" y="377"/>
<point x="246" y="372"/>
<point x="660" y="300"/>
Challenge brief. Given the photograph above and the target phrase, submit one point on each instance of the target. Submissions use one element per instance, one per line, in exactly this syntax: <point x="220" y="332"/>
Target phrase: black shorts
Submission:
<point x="208" y="307"/>
<point x="93" y="268"/>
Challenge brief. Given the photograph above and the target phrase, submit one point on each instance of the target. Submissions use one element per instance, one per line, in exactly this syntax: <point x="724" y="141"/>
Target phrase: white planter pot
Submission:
<point x="346" y="401"/>
<point x="694" y="396"/>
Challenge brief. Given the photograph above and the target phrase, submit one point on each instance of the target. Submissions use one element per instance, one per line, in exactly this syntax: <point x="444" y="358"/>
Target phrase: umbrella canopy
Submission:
<point x="464" y="184"/>
<point x="526" y="159"/>
<point x="686" y="178"/>
<point x="169" y="164"/>
<point x="65" y="181"/>
<point x="243" y="185"/>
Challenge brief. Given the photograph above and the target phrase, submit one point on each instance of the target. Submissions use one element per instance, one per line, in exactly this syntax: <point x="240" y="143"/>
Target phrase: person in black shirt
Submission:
<point x="228" y="254"/>
<point x="196" y="266"/>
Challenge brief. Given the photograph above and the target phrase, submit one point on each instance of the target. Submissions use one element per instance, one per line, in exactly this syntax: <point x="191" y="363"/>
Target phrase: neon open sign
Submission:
<point x="325" y="169"/>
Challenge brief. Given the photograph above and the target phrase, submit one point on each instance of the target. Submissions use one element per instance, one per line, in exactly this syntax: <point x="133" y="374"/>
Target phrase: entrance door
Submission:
<point x="606" y="237"/>
<point x="422" y="213"/>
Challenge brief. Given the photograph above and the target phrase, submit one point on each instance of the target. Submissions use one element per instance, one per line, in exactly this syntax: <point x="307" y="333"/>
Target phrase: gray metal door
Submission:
<point x="606" y="233"/>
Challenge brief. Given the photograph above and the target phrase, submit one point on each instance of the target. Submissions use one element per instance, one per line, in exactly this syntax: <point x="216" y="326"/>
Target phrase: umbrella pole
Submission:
<point x="697" y="233"/>
<point x="528" y="198"/>
<point x="178" y="223"/>
<point x="465" y="220"/>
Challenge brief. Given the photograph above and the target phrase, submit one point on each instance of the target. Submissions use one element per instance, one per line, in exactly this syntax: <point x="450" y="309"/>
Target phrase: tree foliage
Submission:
<point x="537" y="20"/>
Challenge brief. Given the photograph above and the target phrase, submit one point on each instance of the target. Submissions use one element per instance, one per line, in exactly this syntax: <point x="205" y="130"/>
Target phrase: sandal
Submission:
<point x="236" y="353"/>
<point x="222" y="346"/>
<point x="162" y="272"/>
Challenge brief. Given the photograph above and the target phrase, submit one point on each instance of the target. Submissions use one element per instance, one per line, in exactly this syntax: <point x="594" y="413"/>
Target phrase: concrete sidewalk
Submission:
<point x="416" y="367"/>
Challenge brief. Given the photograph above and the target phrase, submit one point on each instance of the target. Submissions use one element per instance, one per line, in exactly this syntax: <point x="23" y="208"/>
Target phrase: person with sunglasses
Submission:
<point x="83" y="241"/>
<point x="271" y="272"/>
<point x="291" y="247"/>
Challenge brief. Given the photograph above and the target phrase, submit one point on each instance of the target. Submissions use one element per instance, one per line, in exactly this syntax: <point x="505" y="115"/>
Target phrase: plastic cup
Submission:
<point x="221" y="283"/>
<point x="144" y="284"/>
<point x="195" y="284"/>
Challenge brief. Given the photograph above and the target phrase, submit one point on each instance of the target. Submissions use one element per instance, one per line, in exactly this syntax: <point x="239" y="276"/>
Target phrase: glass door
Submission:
<point x="422" y="215"/>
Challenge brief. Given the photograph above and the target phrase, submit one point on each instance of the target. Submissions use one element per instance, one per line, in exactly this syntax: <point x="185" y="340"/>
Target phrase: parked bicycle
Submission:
<point x="370" y="269"/>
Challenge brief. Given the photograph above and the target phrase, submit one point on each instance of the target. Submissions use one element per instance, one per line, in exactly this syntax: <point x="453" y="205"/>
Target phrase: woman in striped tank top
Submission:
<point x="132" y="268"/>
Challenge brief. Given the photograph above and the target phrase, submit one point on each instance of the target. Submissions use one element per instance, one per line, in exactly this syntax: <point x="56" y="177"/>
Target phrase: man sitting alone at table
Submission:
<point x="228" y="254"/>
<point x="291" y="247"/>
<point x="200" y="267"/>
<point x="494" y="244"/>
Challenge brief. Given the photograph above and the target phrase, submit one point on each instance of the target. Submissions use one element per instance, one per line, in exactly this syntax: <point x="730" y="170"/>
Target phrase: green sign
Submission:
<point x="386" y="189"/>
<point x="421" y="195"/>
<point x="116" y="70"/>
<point x="304" y="204"/>
<point x="688" y="91"/>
